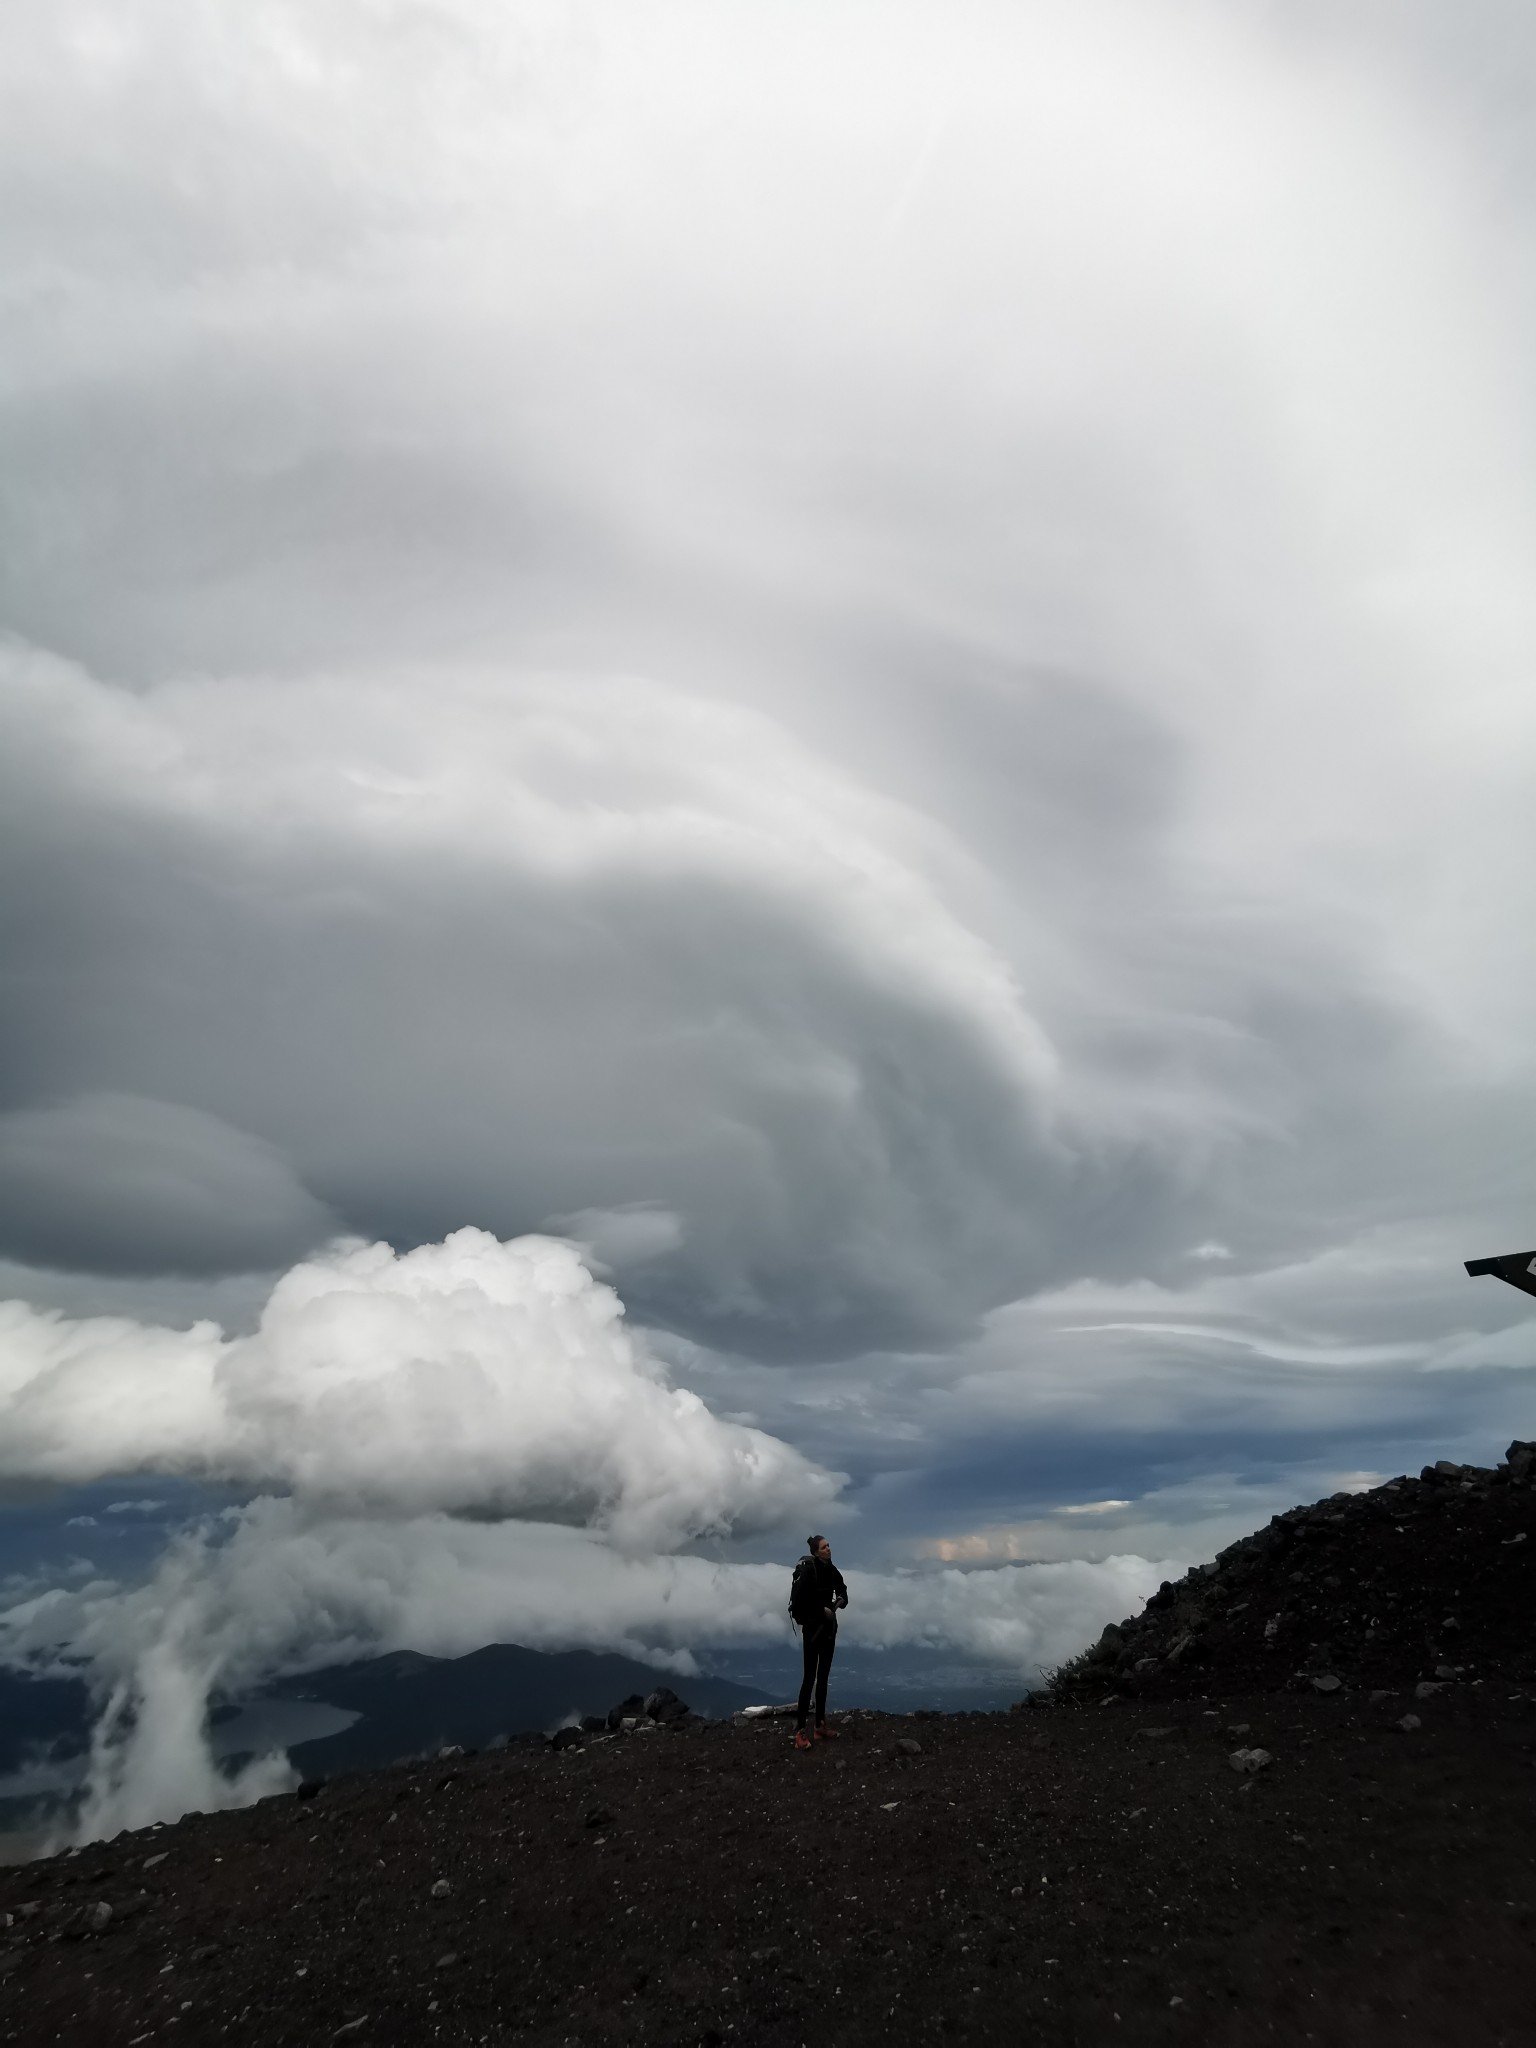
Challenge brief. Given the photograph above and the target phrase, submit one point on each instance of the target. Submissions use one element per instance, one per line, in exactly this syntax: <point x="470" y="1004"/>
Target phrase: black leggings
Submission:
<point x="818" y="1641"/>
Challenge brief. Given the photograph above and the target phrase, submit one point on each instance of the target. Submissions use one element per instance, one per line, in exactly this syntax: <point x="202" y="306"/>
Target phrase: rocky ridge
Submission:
<point x="1425" y="1582"/>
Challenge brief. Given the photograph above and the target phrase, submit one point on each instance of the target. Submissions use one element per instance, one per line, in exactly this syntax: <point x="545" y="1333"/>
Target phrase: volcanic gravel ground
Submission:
<point x="1071" y="1874"/>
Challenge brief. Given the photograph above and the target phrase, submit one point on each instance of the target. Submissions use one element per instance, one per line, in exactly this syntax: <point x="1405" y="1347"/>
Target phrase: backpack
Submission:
<point x="796" y="1579"/>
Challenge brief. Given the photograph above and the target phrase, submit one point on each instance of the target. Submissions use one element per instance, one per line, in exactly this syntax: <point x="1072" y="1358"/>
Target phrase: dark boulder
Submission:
<point x="664" y="1705"/>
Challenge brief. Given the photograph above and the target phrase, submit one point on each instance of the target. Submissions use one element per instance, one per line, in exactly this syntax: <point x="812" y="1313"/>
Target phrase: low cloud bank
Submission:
<point x="467" y="1376"/>
<point x="277" y="1589"/>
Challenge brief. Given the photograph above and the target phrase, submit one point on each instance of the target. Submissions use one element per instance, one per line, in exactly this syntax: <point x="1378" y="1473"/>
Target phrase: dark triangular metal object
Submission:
<point x="1513" y="1267"/>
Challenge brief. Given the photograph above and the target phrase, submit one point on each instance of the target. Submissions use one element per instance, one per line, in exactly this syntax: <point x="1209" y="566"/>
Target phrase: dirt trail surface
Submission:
<point x="1067" y="1874"/>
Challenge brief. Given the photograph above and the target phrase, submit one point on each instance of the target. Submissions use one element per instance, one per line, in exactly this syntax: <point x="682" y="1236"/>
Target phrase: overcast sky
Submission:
<point x="874" y="660"/>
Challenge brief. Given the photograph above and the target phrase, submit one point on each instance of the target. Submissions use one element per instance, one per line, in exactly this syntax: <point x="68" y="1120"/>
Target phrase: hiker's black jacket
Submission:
<point x="814" y="1588"/>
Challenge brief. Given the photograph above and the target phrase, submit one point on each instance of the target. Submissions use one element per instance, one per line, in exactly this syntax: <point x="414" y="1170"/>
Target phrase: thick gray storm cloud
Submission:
<point x="862" y="646"/>
<point x="384" y="953"/>
<point x="874" y="660"/>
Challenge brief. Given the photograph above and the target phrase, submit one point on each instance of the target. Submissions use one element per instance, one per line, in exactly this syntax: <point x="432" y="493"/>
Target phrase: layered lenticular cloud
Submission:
<point x="466" y="1376"/>
<point x="115" y="1183"/>
<point x="875" y="627"/>
<point x="516" y="948"/>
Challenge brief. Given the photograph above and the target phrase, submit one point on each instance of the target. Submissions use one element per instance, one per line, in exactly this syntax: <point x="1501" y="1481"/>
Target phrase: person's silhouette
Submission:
<point x="817" y="1595"/>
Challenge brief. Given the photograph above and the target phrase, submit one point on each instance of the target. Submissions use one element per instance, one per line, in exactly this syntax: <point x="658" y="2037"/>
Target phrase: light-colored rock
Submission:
<point x="440" y="1890"/>
<point x="1249" y="1762"/>
<point x="1409" y="1722"/>
<point x="1326" y="1682"/>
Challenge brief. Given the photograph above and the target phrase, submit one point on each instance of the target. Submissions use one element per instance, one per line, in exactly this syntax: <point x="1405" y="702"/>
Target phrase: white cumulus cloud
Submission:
<point x="469" y="1375"/>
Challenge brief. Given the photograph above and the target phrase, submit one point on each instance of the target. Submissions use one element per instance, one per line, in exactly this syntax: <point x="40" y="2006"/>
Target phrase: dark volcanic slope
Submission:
<point x="1430" y="1579"/>
<point x="1059" y="1876"/>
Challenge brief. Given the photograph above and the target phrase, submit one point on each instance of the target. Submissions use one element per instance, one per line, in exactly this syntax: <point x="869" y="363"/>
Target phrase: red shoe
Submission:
<point x="802" y="1740"/>
<point x="828" y="1734"/>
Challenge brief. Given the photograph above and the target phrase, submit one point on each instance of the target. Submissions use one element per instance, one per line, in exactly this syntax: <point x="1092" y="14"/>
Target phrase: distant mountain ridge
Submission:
<point x="410" y="1704"/>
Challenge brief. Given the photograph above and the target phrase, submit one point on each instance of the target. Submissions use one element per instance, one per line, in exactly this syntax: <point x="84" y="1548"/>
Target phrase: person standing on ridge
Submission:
<point x="816" y="1596"/>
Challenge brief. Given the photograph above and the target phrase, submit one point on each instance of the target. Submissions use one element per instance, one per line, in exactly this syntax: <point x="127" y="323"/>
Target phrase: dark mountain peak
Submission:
<point x="1420" y="1581"/>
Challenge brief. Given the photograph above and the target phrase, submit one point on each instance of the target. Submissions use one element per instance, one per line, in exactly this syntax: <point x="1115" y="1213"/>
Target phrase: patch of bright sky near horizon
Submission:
<point x="875" y="660"/>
